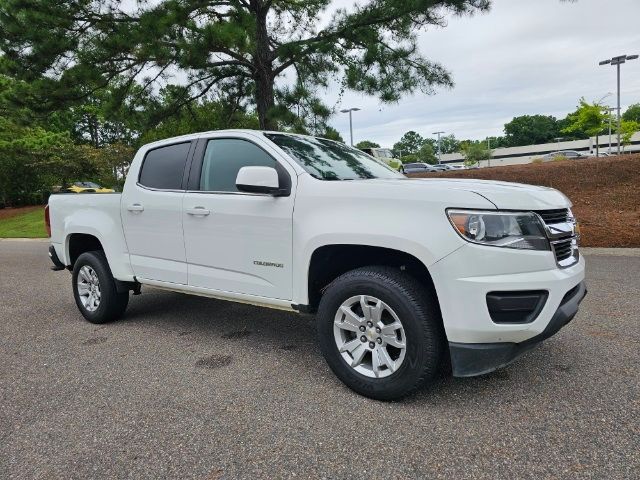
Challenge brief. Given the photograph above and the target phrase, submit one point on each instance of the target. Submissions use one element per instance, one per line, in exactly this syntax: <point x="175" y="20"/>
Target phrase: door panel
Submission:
<point x="154" y="235"/>
<point x="242" y="246"/>
<point x="244" y="243"/>
<point x="152" y="216"/>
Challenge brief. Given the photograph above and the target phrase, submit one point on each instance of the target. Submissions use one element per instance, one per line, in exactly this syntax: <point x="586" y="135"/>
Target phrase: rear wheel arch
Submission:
<point x="79" y="243"/>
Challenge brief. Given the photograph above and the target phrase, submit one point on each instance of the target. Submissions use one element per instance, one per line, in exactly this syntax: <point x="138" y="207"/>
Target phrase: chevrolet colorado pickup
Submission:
<point x="404" y="275"/>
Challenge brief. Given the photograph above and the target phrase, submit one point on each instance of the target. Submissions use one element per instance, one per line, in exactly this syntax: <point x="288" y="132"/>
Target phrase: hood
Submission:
<point x="504" y="195"/>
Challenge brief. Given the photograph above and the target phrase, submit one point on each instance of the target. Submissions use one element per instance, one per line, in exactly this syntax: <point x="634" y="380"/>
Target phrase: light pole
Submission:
<point x="439" y="154"/>
<point x="349" y="111"/>
<point x="609" y="110"/>
<point x="557" y="139"/>
<point x="617" y="61"/>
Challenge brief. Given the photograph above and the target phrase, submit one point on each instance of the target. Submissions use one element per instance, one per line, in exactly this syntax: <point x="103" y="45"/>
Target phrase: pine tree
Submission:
<point x="235" y="47"/>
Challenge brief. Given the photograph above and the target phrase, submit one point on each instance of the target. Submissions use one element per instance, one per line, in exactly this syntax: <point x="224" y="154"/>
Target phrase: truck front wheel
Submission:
<point x="380" y="332"/>
<point x="94" y="289"/>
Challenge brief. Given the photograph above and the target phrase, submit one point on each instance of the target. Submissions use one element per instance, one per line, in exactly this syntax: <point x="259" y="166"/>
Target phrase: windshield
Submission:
<point x="87" y="185"/>
<point x="384" y="153"/>
<point x="329" y="160"/>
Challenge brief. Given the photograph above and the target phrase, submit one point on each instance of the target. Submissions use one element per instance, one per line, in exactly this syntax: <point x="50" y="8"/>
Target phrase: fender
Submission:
<point x="107" y="228"/>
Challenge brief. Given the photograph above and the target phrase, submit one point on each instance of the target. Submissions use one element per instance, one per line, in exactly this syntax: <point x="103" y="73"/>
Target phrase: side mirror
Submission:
<point x="258" y="180"/>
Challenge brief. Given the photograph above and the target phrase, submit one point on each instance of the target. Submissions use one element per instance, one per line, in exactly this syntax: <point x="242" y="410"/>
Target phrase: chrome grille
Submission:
<point x="563" y="249"/>
<point x="560" y="215"/>
<point x="560" y="228"/>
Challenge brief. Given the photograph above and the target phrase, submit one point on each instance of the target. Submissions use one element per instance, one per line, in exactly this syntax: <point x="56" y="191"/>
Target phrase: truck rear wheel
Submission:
<point x="380" y="332"/>
<point x="94" y="289"/>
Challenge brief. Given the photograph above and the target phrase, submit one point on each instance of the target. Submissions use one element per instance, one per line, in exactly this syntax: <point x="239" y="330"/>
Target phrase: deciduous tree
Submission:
<point x="475" y="152"/>
<point x="367" y="144"/>
<point x="409" y="144"/>
<point x="588" y="118"/>
<point x="426" y="154"/>
<point x="531" y="130"/>
<point x="632" y="114"/>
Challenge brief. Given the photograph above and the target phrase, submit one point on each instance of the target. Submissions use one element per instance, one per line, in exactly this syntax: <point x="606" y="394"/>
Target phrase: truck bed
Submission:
<point x="96" y="214"/>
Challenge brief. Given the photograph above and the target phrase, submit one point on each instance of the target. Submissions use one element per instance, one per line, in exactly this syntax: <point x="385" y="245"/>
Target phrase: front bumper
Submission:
<point x="470" y="359"/>
<point x="464" y="280"/>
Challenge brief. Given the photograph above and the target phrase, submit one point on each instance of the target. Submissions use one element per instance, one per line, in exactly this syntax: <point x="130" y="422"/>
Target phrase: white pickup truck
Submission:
<point x="405" y="275"/>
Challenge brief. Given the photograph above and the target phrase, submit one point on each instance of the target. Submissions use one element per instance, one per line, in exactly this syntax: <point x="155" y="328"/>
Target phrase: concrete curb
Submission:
<point x="611" y="252"/>
<point x="41" y="240"/>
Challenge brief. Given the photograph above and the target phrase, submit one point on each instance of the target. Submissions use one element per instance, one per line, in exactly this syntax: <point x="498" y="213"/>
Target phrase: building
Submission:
<point x="528" y="153"/>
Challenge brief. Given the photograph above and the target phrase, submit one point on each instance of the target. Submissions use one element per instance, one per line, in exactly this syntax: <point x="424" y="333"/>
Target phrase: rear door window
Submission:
<point x="163" y="167"/>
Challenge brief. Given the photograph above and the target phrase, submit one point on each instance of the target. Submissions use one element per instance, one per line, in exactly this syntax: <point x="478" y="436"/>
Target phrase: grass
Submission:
<point x="28" y="224"/>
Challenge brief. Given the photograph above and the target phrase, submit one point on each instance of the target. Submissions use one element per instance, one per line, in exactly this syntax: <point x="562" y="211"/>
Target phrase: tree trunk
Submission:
<point x="265" y="101"/>
<point x="263" y="75"/>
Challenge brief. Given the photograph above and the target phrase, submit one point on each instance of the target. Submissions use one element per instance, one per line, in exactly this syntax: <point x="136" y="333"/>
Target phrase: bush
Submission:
<point x="409" y="159"/>
<point x="25" y="199"/>
<point x="537" y="160"/>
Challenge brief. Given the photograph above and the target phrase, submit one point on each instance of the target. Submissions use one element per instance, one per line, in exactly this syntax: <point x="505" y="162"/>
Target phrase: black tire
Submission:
<point x="112" y="303"/>
<point x="417" y="309"/>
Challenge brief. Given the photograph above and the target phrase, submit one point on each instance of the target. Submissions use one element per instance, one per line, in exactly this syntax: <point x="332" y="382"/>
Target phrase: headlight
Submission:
<point x="522" y="230"/>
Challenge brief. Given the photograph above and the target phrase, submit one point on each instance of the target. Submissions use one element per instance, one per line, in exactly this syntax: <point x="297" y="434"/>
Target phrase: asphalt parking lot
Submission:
<point x="187" y="387"/>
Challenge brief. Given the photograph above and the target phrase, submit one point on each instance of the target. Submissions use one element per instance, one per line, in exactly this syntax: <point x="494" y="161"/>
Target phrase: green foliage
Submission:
<point x="233" y="49"/>
<point x="475" y="152"/>
<point x="33" y="159"/>
<point x="426" y="154"/>
<point x="409" y="159"/>
<point x="531" y="130"/>
<point x="367" y="144"/>
<point x="448" y="144"/>
<point x="627" y="129"/>
<point x="200" y="117"/>
<point x="497" y="142"/>
<point x="632" y="114"/>
<point x="588" y="118"/>
<point x="332" y="134"/>
<point x="409" y="144"/>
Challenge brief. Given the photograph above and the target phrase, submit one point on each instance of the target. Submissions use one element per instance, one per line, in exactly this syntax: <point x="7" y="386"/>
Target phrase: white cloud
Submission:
<point x="523" y="57"/>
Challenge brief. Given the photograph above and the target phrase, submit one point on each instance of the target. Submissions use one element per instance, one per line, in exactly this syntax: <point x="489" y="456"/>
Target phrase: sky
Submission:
<point x="523" y="57"/>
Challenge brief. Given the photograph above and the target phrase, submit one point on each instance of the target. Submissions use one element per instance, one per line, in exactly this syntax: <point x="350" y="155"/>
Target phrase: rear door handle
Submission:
<point x="136" y="207"/>
<point x="198" y="211"/>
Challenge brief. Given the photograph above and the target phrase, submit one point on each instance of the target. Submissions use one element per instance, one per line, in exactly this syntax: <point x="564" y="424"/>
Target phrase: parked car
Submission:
<point x="87" y="187"/>
<point x="401" y="273"/>
<point x="440" y="167"/>
<point x="417" y="167"/>
<point x="568" y="154"/>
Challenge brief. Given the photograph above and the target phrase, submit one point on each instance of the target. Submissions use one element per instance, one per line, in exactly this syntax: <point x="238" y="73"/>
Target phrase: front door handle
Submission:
<point x="198" y="211"/>
<point x="136" y="207"/>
